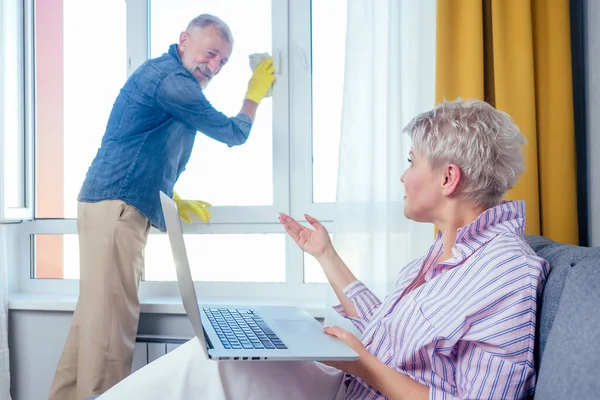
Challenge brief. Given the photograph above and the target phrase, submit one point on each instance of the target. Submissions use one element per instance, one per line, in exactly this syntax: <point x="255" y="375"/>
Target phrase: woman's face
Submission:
<point x="422" y="187"/>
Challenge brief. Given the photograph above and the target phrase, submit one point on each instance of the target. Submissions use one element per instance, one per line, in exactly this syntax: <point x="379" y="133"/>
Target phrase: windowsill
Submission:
<point x="150" y="305"/>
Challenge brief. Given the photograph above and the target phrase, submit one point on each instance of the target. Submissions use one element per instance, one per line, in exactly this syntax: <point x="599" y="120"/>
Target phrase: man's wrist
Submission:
<point x="249" y="108"/>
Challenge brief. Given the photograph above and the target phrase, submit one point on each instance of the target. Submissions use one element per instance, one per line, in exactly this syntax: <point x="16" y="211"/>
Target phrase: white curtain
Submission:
<point x="389" y="78"/>
<point x="4" y="360"/>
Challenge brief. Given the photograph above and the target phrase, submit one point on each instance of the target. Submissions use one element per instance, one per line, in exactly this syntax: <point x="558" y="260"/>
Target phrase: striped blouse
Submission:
<point x="468" y="332"/>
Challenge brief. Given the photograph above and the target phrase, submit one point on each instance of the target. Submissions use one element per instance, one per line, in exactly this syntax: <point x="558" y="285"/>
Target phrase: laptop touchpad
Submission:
<point x="291" y="326"/>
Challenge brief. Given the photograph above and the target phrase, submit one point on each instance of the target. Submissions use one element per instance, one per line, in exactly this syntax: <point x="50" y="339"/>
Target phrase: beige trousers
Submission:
<point x="99" y="348"/>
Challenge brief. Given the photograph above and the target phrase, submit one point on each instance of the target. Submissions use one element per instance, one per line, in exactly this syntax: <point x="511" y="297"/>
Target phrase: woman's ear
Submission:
<point x="450" y="179"/>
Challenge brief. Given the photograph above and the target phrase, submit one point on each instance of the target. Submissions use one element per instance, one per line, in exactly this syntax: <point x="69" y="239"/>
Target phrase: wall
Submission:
<point x="4" y="348"/>
<point x="7" y="285"/>
<point x="592" y="50"/>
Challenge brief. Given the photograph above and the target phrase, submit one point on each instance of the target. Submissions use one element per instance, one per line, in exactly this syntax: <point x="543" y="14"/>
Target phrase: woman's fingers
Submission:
<point x="290" y="222"/>
<point x="313" y="221"/>
<point x="291" y="226"/>
<point x="298" y="232"/>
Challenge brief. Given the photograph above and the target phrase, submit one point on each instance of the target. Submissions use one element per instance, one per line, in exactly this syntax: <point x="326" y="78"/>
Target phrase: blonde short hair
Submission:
<point x="483" y="142"/>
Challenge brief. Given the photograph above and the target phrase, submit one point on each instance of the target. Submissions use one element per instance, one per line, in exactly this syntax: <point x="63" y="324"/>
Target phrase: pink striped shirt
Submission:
<point x="468" y="332"/>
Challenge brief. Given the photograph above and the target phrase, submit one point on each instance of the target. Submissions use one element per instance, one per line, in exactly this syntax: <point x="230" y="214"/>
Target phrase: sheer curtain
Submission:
<point x="389" y="78"/>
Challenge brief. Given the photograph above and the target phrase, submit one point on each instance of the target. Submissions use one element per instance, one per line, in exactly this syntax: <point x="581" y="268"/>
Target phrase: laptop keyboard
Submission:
<point x="242" y="329"/>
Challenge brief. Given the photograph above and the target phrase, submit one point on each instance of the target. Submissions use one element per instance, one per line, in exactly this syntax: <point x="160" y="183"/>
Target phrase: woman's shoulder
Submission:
<point x="511" y="251"/>
<point x="513" y="243"/>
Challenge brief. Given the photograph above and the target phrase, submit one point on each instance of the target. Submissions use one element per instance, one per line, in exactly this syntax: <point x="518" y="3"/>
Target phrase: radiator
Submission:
<point x="150" y="347"/>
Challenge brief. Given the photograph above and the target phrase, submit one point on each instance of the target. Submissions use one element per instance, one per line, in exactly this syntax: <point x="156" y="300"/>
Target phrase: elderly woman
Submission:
<point x="461" y="320"/>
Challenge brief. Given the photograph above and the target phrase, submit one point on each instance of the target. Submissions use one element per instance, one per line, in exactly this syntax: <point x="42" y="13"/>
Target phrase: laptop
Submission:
<point x="248" y="333"/>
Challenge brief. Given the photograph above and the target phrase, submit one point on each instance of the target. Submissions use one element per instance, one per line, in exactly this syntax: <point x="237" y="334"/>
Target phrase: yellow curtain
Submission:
<point x="516" y="55"/>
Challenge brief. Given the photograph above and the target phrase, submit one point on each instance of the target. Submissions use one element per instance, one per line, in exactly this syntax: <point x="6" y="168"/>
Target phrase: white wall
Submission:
<point x="592" y="50"/>
<point x="8" y="251"/>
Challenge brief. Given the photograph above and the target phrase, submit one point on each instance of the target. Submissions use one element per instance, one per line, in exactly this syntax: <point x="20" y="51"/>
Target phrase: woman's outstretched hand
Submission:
<point x="315" y="242"/>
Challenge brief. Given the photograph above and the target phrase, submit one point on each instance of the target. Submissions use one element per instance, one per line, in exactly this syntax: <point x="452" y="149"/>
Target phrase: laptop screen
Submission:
<point x="184" y="275"/>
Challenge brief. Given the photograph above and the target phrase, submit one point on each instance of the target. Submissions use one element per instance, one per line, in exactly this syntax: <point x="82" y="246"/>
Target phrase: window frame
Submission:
<point x="301" y="125"/>
<point x="292" y="165"/>
<point x="16" y="46"/>
<point x="293" y="290"/>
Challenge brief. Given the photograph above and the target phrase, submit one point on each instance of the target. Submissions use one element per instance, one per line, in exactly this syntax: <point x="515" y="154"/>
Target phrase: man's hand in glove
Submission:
<point x="261" y="80"/>
<point x="197" y="207"/>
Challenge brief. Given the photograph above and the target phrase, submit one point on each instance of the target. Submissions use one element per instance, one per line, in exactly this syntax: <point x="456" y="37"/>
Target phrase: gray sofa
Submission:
<point x="567" y="349"/>
<point x="567" y="353"/>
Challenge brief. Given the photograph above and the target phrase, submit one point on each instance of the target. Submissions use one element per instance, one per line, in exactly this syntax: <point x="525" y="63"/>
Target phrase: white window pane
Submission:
<point x="80" y="68"/>
<point x="70" y="256"/>
<point x="257" y="257"/>
<point x="220" y="258"/>
<point x="241" y="175"/>
<point x="56" y="257"/>
<point x="313" y="273"/>
<point x="14" y="156"/>
<point x="328" y="53"/>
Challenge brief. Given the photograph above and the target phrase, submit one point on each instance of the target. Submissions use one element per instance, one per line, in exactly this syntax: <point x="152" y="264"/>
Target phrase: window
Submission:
<point x="246" y="264"/>
<point x="288" y="164"/>
<point x="77" y="79"/>
<point x="16" y="191"/>
<point x="328" y="49"/>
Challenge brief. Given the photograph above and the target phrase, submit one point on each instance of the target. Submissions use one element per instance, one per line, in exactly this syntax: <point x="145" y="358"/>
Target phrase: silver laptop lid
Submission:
<point x="184" y="275"/>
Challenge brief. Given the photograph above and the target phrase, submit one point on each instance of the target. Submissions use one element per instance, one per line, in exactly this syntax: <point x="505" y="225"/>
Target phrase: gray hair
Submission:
<point x="206" y="20"/>
<point x="483" y="142"/>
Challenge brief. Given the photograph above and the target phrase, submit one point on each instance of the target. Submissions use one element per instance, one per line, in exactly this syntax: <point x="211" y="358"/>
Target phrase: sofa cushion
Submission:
<point x="559" y="257"/>
<point x="567" y="350"/>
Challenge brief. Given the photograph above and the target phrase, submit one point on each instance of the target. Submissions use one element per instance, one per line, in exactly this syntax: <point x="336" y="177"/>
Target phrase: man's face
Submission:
<point x="203" y="52"/>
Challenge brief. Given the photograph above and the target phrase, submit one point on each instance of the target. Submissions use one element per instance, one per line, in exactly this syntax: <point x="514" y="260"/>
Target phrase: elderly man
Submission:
<point x="148" y="141"/>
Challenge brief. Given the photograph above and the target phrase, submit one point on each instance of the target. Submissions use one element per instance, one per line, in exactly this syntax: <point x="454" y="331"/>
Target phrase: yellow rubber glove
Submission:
<point x="197" y="207"/>
<point x="261" y="80"/>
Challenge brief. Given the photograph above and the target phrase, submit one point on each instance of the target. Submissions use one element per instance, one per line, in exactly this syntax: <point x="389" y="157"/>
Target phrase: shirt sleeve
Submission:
<point x="494" y="357"/>
<point x="182" y="97"/>
<point x="365" y="302"/>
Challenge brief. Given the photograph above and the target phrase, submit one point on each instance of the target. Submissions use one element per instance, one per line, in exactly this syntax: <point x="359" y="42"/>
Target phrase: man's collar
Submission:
<point x="174" y="53"/>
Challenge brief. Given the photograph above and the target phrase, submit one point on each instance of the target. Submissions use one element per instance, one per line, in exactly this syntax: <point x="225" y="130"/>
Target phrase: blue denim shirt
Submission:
<point x="150" y="134"/>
